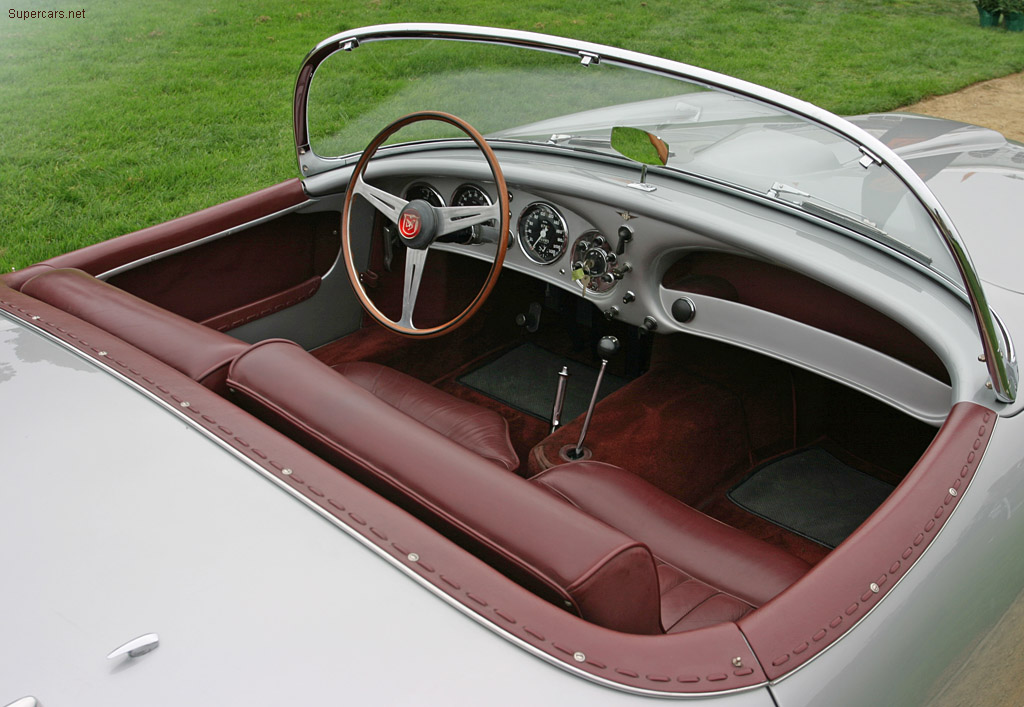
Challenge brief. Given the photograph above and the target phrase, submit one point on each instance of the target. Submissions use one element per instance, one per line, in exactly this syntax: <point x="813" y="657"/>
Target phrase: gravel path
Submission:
<point x="996" y="104"/>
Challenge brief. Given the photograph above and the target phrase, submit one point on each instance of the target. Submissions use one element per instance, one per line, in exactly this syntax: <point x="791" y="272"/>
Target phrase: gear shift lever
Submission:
<point x="608" y="346"/>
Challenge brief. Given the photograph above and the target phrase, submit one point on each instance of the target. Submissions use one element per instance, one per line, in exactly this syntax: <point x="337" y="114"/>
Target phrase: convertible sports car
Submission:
<point x="563" y="375"/>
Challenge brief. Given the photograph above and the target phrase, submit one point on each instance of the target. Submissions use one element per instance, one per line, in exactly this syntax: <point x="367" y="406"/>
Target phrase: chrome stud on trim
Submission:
<point x="579" y="657"/>
<point x="952" y="492"/>
<point x="286" y="472"/>
<point x="874" y="588"/>
<point x="101" y="353"/>
<point x="738" y="662"/>
<point x="186" y="404"/>
<point x="413" y="557"/>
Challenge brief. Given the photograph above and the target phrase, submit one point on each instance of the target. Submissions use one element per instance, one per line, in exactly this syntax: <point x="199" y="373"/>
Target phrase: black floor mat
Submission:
<point x="526" y="378"/>
<point x="813" y="494"/>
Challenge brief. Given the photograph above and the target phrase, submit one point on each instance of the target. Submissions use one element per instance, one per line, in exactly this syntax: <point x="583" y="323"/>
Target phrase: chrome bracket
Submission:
<point x="588" y="58"/>
<point x="348" y="44"/>
<point x="869" y="158"/>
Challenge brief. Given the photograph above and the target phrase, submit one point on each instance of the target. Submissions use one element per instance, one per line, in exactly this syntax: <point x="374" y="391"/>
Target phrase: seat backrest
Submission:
<point x="199" y="352"/>
<point x="534" y="537"/>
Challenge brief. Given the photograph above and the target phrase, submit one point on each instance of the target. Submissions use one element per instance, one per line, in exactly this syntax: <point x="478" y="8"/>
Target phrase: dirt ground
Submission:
<point x="996" y="104"/>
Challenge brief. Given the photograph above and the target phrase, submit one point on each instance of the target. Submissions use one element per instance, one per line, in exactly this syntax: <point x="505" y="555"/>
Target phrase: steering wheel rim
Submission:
<point x="450" y="219"/>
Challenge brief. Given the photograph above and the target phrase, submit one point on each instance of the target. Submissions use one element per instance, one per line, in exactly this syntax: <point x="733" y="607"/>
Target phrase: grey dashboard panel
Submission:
<point x="681" y="218"/>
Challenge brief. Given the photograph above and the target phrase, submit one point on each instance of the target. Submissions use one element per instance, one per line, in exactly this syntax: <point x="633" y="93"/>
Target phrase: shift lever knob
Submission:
<point x="608" y="346"/>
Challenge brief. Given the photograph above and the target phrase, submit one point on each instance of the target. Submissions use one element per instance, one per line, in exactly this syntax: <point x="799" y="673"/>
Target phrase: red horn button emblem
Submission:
<point x="409" y="224"/>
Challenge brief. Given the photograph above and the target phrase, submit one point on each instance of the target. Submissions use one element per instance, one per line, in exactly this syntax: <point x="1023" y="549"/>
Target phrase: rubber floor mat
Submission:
<point x="813" y="494"/>
<point x="526" y="378"/>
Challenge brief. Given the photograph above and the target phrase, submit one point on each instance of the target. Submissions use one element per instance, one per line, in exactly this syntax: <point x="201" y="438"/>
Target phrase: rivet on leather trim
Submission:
<point x="579" y="657"/>
<point x="286" y="472"/>
<point x="413" y="557"/>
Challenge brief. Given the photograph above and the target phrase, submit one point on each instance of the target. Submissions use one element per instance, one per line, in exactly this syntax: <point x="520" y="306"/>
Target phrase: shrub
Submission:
<point x="990" y="5"/>
<point x="1011" y="6"/>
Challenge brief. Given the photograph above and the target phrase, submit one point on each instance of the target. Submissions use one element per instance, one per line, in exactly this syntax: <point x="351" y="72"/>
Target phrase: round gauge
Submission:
<point x="425" y="192"/>
<point x="470" y="195"/>
<point x="542" y="233"/>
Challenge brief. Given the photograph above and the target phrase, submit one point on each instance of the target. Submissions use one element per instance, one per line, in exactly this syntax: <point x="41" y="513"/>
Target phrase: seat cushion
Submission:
<point x="476" y="428"/>
<point x="197" y="351"/>
<point x="709" y="572"/>
<point x="559" y="552"/>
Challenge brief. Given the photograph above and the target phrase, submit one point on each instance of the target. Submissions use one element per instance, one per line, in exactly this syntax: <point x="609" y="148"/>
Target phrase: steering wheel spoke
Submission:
<point x="455" y="218"/>
<point x="385" y="202"/>
<point x="414" y="261"/>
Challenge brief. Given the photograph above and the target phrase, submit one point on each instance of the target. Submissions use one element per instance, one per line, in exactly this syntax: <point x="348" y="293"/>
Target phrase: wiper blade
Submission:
<point x="838" y="215"/>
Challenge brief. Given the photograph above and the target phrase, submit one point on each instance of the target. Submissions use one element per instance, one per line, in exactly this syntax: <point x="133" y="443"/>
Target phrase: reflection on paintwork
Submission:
<point x="25" y="346"/>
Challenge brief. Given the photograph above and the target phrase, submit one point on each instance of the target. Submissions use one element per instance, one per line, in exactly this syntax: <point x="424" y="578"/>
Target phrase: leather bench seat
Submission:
<point x="556" y="551"/>
<point x="588" y="536"/>
<point x="472" y="426"/>
<point x="708" y="572"/>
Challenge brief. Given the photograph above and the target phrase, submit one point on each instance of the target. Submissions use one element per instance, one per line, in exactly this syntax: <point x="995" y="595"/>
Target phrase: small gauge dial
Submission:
<point x="467" y="195"/>
<point x="470" y="195"/>
<point x="542" y="233"/>
<point x="425" y="192"/>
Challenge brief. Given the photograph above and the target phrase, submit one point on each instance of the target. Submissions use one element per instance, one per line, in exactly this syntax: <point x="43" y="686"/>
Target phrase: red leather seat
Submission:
<point x="586" y="535"/>
<point x="474" y="427"/>
<point x="708" y="572"/>
<point x="556" y="551"/>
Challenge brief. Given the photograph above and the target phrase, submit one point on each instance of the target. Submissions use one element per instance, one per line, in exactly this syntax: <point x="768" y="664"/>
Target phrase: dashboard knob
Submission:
<point x="683" y="310"/>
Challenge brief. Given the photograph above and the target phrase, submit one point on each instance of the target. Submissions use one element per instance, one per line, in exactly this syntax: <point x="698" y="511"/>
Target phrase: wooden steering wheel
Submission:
<point x="420" y="224"/>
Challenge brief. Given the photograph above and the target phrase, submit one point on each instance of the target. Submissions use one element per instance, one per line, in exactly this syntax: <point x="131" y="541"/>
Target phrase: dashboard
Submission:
<point x="849" y="313"/>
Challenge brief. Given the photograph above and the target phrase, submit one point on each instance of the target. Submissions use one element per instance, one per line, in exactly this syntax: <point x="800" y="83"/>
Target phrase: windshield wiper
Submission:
<point x="836" y="214"/>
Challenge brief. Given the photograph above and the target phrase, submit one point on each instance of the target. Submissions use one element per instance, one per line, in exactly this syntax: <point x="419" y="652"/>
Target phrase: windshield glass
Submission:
<point x="563" y="102"/>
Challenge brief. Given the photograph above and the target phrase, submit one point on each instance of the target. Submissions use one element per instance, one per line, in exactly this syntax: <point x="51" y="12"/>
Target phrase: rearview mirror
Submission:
<point x="640" y="146"/>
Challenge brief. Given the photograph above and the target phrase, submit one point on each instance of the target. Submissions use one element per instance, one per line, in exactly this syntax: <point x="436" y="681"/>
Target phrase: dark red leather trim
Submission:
<point x="197" y="351"/>
<point x="268" y="305"/>
<point x="15" y="280"/>
<point x="700" y="546"/>
<point x="563" y="554"/>
<point x="107" y="255"/>
<point x="842" y="588"/>
<point x="689" y="663"/>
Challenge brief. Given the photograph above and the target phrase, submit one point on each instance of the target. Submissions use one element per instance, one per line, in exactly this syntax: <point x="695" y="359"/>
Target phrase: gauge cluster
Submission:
<point x="568" y="250"/>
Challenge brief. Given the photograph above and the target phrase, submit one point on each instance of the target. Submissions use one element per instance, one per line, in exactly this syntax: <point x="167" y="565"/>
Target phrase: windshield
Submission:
<point x="572" y="102"/>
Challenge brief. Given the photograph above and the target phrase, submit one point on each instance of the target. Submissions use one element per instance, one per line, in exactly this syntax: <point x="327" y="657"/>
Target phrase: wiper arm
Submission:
<point x="837" y="214"/>
<point x="584" y="141"/>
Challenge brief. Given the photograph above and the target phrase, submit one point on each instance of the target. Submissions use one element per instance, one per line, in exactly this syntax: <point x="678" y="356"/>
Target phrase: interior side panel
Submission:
<point x="284" y="256"/>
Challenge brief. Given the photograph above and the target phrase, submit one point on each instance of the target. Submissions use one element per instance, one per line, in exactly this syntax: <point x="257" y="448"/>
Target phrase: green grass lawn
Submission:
<point x="137" y="113"/>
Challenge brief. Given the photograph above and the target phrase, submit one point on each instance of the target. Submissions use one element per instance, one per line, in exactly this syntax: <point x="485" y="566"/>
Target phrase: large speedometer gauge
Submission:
<point x="542" y="233"/>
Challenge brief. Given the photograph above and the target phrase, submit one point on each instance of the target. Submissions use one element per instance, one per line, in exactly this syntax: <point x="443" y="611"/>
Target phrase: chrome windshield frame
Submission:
<point x="997" y="348"/>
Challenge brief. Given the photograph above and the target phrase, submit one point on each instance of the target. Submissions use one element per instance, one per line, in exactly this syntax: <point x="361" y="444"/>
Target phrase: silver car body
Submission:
<point x="122" y="516"/>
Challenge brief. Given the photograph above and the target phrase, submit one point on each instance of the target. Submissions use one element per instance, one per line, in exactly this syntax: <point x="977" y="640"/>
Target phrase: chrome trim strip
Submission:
<point x="1001" y="365"/>
<point x="206" y="239"/>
